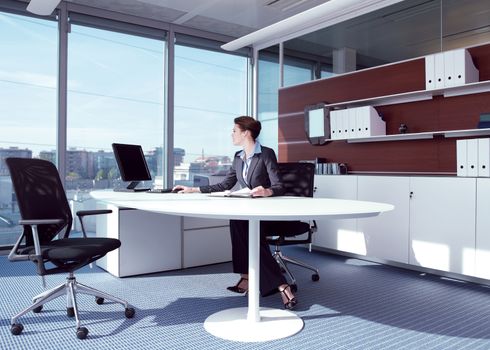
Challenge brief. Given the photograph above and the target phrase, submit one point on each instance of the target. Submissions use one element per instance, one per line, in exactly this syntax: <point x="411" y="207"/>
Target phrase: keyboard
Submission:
<point x="160" y="190"/>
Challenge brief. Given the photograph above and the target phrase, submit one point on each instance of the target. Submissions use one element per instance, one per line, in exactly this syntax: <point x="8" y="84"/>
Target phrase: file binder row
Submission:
<point x="473" y="157"/>
<point x="356" y="122"/>
<point x="450" y="68"/>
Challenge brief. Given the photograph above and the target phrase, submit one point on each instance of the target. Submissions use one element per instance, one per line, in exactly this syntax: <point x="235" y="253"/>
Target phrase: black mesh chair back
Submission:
<point x="40" y="194"/>
<point x="47" y="219"/>
<point x="298" y="180"/>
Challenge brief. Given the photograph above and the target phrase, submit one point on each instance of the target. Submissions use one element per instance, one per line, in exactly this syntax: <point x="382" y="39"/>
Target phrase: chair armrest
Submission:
<point x="40" y="222"/>
<point x="314" y="227"/>
<point x="82" y="213"/>
<point x="37" y="256"/>
<point x="7" y="220"/>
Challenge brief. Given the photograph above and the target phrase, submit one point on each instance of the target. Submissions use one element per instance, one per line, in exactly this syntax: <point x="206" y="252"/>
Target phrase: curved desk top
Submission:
<point x="271" y="208"/>
<point x="252" y="323"/>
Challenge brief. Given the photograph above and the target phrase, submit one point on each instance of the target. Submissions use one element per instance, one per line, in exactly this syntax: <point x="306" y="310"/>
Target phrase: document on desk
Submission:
<point x="243" y="193"/>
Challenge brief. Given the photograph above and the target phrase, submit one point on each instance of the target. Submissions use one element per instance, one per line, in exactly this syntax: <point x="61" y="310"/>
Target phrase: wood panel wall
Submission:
<point x="436" y="155"/>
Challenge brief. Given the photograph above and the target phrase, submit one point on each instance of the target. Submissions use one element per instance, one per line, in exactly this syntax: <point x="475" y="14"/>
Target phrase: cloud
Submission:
<point x="24" y="77"/>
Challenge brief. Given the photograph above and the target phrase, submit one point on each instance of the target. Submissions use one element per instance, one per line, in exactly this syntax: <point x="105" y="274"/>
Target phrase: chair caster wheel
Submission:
<point x="315" y="277"/>
<point x="16" y="328"/>
<point x="70" y="312"/>
<point x="129" y="312"/>
<point x="99" y="300"/>
<point x="82" y="333"/>
<point x="37" y="309"/>
<point x="294" y="288"/>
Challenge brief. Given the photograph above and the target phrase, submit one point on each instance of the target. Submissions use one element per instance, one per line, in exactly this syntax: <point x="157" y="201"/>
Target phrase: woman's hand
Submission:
<point x="261" y="192"/>
<point x="185" y="189"/>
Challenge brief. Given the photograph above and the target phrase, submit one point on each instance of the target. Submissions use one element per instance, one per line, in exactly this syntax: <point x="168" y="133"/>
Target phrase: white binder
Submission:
<point x="377" y="125"/>
<point x="449" y="67"/>
<point x="371" y="123"/>
<point x="352" y="123"/>
<point x="472" y="156"/>
<point x="361" y="128"/>
<point x="484" y="157"/>
<point x="464" y="70"/>
<point x="429" y="73"/>
<point x="334" y="117"/>
<point x="345" y="124"/>
<point x="461" y="161"/>
<point x="439" y="70"/>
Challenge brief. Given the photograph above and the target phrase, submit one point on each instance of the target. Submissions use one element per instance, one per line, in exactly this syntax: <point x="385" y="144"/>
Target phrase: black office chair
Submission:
<point x="45" y="215"/>
<point x="297" y="179"/>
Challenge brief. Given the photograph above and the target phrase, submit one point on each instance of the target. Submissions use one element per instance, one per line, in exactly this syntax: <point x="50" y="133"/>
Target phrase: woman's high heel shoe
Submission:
<point x="237" y="289"/>
<point x="288" y="299"/>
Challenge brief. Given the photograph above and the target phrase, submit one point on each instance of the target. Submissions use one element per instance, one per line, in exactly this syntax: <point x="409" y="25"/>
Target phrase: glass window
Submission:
<point x="297" y="71"/>
<point x="393" y="33"/>
<point x="28" y="80"/>
<point x="211" y="89"/>
<point x="326" y="71"/>
<point x="464" y="23"/>
<point x="268" y="87"/>
<point x="115" y="94"/>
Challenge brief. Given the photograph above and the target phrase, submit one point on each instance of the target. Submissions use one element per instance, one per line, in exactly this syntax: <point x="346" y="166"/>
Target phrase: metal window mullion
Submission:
<point x="61" y="144"/>
<point x="168" y="134"/>
<point x="250" y="83"/>
<point x="281" y="64"/>
<point x="255" y="83"/>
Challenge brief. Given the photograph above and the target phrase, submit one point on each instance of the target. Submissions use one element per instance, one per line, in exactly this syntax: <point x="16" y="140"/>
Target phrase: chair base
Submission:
<point x="70" y="289"/>
<point x="283" y="261"/>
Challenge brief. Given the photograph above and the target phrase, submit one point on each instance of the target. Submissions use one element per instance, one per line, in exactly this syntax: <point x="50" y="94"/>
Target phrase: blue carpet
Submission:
<point x="355" y="305"/>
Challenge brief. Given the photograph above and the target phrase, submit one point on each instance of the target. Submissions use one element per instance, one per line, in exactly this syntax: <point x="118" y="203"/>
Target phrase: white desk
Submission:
<point x="252" y="323"/>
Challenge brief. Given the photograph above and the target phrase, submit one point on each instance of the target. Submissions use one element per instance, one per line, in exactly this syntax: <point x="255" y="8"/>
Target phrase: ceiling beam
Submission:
<point x="321" y="16"/>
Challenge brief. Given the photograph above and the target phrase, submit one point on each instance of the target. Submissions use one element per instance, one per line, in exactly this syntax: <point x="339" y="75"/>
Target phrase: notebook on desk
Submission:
<point x="243" y="193"/>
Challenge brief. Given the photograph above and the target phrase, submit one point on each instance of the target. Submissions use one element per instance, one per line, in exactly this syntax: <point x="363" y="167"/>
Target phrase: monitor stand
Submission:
<point x="132" y="188"/>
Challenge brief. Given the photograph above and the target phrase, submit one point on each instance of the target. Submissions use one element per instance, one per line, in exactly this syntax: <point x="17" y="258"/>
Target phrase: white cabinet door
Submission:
<point x="196" y="223"/>
<point x="386" y="235"/>
<point x="150" y="242"/>
<point x="206" y="246"/>
<point x="482" y="264"/>
<point x="205" y="241"/>
<point x="442" y="223"/>
<point x="338" y="234"/>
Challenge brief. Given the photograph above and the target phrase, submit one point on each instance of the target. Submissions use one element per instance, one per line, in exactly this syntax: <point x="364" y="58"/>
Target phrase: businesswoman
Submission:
<point x="254" y="167"/>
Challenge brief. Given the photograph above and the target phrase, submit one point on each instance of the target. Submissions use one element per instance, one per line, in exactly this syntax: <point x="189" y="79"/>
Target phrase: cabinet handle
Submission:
<point x="411" y="194"/>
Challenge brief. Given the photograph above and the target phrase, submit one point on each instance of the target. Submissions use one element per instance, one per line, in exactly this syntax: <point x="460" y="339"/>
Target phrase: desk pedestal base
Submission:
<point x="232" y="324"/>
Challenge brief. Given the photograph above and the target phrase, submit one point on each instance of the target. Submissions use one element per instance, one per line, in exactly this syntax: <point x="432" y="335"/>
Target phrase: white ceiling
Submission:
<point x="234" y="18"/>
<point x="410" y="28"/>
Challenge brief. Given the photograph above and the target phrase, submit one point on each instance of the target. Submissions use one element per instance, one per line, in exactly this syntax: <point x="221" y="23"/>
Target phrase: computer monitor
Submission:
<point x="132" y="165"/>
<point x="317" y="123"/>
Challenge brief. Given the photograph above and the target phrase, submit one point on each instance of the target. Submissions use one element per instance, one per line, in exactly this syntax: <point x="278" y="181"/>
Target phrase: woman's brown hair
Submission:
<point x="248" y="123"/>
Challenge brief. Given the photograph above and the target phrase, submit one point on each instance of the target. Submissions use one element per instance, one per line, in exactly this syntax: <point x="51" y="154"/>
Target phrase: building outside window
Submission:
<point x="28" y="111"/>
<point x="210" y="91"/>
<point x="115" y="94"/>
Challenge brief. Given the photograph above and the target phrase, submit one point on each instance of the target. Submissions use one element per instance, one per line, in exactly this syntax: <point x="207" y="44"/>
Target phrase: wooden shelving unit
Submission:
<point x="414" y="96"/>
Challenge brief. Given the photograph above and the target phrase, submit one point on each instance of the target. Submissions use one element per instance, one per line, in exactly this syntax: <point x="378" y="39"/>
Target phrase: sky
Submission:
<point x="115" y="90"/>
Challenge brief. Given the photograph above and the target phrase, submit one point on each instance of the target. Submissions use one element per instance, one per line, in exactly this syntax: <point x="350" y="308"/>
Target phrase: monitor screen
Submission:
<point x="131" y="162"/>
<point x="317" y="122"/>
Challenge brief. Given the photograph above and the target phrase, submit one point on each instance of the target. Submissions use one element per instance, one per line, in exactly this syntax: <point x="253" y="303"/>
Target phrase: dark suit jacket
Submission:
<point x="262" y="172"/>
